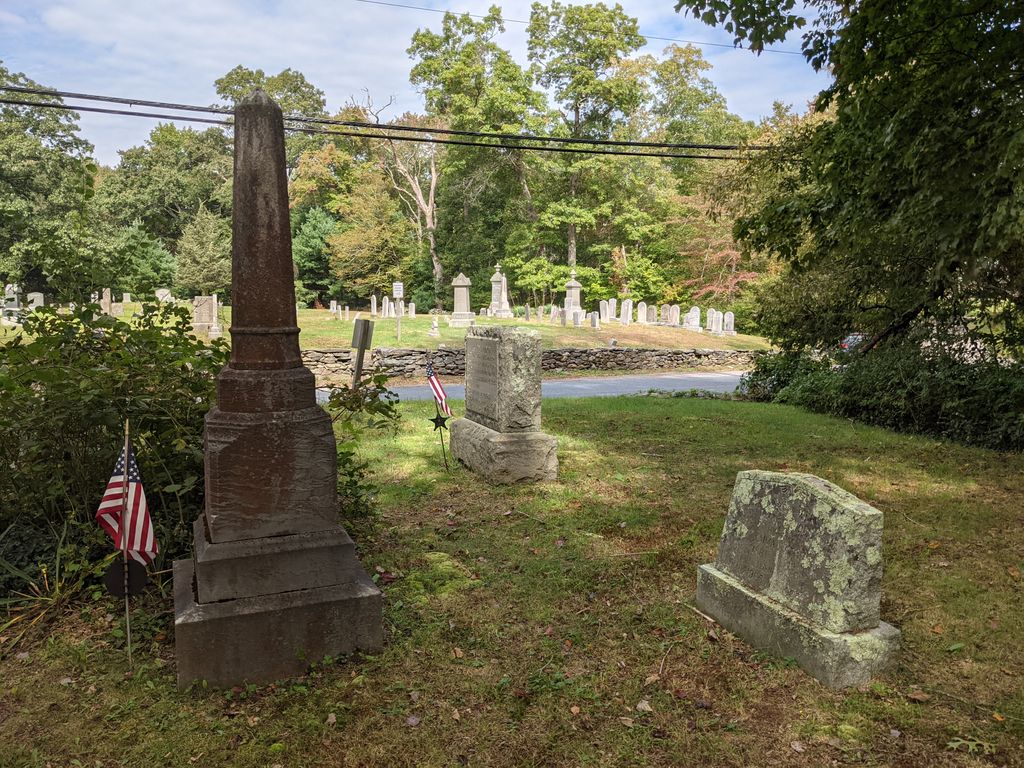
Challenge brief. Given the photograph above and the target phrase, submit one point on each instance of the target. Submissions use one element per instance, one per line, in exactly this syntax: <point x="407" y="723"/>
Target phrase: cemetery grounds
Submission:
<point x="553" y="624"/>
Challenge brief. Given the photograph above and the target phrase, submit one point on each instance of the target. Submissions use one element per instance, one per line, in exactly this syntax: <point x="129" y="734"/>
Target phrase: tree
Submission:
<point x="145" y="264"/>
<point x="292" y="92"/>
<point x="48" y="229"/>
<point x="163" y="183"/>
<point x="581" y="52"/>
<point x="204" y="255"/>
<point x="374" y="239"/>
<point x="312" y="255"/>
<point x="900" y="213"/>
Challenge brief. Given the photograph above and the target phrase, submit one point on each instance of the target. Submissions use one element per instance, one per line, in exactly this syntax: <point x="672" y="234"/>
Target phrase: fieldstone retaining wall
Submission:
<point x="336" y="363"/>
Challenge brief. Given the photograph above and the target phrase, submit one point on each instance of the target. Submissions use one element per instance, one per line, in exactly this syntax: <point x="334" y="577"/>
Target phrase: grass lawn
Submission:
<point x="551" y="625"/>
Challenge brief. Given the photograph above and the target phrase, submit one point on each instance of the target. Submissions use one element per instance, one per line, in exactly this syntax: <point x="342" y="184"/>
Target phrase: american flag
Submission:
<point x="140" y="543"/>
<point x="439" y="393"/>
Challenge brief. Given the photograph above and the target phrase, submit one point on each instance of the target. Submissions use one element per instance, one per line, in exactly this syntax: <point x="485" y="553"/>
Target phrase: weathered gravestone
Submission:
<point x="204" y="313"/>
<point x="35" y="300"/>
<point x="499" y="306"/>
<point x="274" y="584"/>
<point x="105" y="301"/>
<point x="500" y="436"/>
<point x="164" y="295"/>
<point x="652" y="314"/>
<point x="463" y="316"/>
<point x="603" y="309"/>
<point x="729" y="324"/>
<point x="373" y="305"/>
<point x="799" y="573"/>
<point x="641" y="313"/>
<point x="627" y="312"/>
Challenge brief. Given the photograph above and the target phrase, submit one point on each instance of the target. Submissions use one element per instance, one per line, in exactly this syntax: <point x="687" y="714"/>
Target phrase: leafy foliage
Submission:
<point x="898" y="205"/>
<point x="358" y="410"/>
<point x="204" y="254"/>
<point x="66" y="386"/>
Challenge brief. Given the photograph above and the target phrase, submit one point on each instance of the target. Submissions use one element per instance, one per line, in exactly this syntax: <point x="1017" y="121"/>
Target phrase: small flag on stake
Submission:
<point x="123" y="513"/>
<point x="439" y="393"/>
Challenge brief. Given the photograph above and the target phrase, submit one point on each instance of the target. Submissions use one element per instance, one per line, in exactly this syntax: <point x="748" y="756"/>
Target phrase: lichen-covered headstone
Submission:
<point x="799" y="573"/>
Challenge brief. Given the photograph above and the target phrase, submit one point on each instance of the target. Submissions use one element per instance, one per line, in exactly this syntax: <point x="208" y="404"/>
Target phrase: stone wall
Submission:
<point x="331" y="364"/>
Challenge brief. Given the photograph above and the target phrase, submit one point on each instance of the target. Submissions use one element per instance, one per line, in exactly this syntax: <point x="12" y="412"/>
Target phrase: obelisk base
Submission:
<point x="271" y="637"/>
<point x="461" y="320"/>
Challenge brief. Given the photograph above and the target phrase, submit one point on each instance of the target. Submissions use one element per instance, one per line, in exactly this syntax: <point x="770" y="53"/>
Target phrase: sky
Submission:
<point x="173" y="50"/>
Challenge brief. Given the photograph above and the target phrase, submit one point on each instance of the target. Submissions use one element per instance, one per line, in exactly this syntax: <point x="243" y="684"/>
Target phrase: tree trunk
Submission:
<point x="572" y="245"/>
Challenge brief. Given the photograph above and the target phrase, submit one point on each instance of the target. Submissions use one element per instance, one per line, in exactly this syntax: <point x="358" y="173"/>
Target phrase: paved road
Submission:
<point x="597" y="386"/>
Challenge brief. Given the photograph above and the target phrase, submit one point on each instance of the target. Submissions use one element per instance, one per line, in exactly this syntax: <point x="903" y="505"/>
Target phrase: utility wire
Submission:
<point x="521" y="21"/>
<point x="379" y="126"/>
<point x="364" y="135"/>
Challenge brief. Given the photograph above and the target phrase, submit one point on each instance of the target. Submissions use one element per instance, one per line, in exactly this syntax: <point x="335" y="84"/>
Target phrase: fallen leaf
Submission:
<point x="457" y="652"/>
<point x="626" y="721"/>
<point x="379" y="569"/>
<point x="388" y="578"/>
<point x="414" y="695"/>
<point x="895" y="733"/>
<point x="937" y="629"/>
<point x="712" y="636"/>
<point x="919" y="696"/>
<point x="456" y="715"/>
<point x="560" y="542"/>
<point x="797" y="746"/>
<point x="506" y="514"/>
<point x="412" y="721"/>
<point x="644" y="706"/>
<point x="997" y="717"/>
<point x="549" y="631"/>
<point x="1014" y="572"/>
<point x="66" y="681"/>
<point x="934" y="544"/>
<point x="652" y="679"/>
<point x="574" y="709"/>
<point x="332" y="719"/>
<point x="21" y="656"/>
<point x="252" y="720"/>
<point x="955" y="647"/>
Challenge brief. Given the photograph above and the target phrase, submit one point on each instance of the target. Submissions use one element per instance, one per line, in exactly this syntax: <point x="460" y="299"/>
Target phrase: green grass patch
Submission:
<point x="552" y="624"/>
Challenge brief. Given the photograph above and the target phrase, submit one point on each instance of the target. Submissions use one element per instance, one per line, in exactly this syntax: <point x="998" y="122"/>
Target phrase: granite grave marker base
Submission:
<point x="798" y="574"/>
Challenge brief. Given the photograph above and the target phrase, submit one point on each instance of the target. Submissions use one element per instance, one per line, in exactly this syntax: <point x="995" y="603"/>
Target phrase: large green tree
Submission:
<point x="163" y="183"/>
<point x="204" y="255"/>
<point x="48" y="227"/>
<point x="290" y="89"/>
<point x="581" y="53"/>
<point x="903" y="212"/>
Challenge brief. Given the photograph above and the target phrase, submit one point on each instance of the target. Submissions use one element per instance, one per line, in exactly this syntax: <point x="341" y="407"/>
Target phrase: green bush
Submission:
<point x="66" y="385"/>
<point x="904" y="388"/>
<point x="357" y="411"/>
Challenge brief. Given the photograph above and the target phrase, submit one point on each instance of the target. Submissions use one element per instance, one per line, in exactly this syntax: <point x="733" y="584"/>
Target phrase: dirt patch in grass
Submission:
<point x="553" y="624"/>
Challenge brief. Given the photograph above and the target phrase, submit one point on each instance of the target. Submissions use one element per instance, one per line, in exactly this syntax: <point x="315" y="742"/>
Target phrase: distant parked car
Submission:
<point x="851" y="342"/>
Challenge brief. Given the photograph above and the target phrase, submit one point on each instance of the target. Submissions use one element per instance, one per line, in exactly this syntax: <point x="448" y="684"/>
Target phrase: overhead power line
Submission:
<point x="379" y="126"/>
<point x="522" y="21"/>
<point x="364" y="135"/>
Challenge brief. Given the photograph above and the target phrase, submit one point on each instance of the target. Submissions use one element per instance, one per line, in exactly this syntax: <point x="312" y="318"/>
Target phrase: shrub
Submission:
<point x="66" y="385"/>
<point x="905" y="388"/>
<point x="356" y="411"/>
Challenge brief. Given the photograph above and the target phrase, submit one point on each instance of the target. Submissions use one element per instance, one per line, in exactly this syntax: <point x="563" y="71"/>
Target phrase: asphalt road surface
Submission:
<point x="596" y="386"/>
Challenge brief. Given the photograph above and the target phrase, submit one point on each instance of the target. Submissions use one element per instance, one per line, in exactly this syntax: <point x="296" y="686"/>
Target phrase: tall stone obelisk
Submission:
<point x="274" y="584"/>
